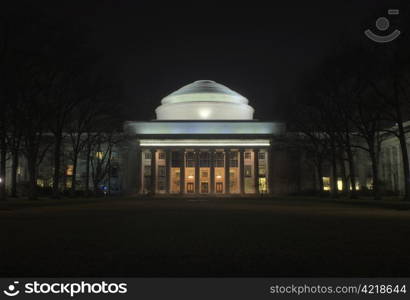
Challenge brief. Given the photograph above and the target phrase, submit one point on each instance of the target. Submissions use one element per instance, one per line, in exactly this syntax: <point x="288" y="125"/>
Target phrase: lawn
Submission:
<point x="219" y="237"/>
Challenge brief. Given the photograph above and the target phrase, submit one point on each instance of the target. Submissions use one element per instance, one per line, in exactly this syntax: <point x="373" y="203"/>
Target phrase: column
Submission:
<point x="212" y="170"/>
<point x="269" y="170"/>
<point x="153" y="187"/>
<point x="168" y="171"/>
<point x="242" y="171"/>
<point x="227" y="180"/>
<point x="256" y="169"/>
<point x="140" y="172"/>
<point x="182" y="175"/>
<point x="197" y="181"/>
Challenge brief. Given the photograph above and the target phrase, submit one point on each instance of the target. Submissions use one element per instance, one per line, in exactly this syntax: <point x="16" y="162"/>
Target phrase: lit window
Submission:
<point x="261" y="155"/>
<point x="326" y="183"/>
<point x="147" y="155"/>
<point x="248" y="171"/>
<point x="204" y="174"/>
<point x="99" y="155"/>
<point x="161" y="155"/>
<point x="369" y="183"/>
<point x="262" y="171"/>
<point x="340" y="184"/>
<point x="70" y="170"/>
<point x="248" y="155"/>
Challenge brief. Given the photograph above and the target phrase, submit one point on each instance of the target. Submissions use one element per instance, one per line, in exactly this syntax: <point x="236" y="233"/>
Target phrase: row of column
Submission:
<point x="212" y="171"/>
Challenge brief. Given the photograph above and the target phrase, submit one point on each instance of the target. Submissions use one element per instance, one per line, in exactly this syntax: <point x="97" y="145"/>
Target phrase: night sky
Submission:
<point x="261" y="49"/>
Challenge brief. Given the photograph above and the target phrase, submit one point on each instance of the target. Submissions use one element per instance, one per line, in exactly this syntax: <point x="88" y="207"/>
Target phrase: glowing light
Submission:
<point x="219" y="176"/>
<point x="190" y="176"/>
<point x="204" y="143"/>
<point x="339" y="185"/>
<point x="204" y="113"/>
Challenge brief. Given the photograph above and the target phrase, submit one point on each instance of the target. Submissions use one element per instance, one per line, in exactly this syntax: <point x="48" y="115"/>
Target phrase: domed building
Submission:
<point x="204" y="100"/>
<point x="204" y="141"/>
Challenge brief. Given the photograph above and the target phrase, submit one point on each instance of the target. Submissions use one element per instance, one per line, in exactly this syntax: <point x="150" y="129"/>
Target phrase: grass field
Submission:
<point x="219" y="237"/>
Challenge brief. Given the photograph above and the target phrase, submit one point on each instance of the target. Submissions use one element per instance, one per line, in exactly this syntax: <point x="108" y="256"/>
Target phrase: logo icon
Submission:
<point x="383" y="24"/>
<point x="12" y="291"/>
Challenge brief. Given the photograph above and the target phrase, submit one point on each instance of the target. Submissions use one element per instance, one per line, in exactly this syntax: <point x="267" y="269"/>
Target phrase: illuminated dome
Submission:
<point x="204" y="100"/>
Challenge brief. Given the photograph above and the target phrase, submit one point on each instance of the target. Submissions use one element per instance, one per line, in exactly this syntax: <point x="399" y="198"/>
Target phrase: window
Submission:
<point x="147" y="170"/>
<point x="190" y="159"/>
<point x="177" y="159"/>
<point x="161" y="155"/>
<point x="262" y="171"/>
<point x="161" y="184"/>
<point x="248" y="155"/>
<point x="248" y="171"/>
<point x="204" y="159"/>
<point x="219" y="160"/>
<point x="70" y="170"/>
<point x="261" y="155"/>
<point x="233" y="161"/>
<point x="147" y="155"/>
<point x="326" y="183"/>
<point x="204" y="174"/>
<point x="161" y="171"/>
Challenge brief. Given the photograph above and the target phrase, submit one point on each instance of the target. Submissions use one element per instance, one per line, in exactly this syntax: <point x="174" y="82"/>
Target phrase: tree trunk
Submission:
<point x="345" y="181"/>
<point x="375" y="170"/>
<point x="3" y="153"/>
<point x="14" y="167"/>
<point x="334" y="172"/>
<point x="87" y="171"/>
<point x="405" y="158"/>
<point x="32" y="172"/>
<point x="352" y="173"/>
<point x="74" y="176"/>
<point x="57" y="163"/>
<point x="109" y="172"/>
<point x="320" y="175"/>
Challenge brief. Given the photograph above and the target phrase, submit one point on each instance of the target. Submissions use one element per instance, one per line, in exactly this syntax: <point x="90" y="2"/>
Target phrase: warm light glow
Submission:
<point x="99" y="155"/>
<point x="340" y="185"/>
<point x="204" y="143"/>
<point x="326" y="183"/>
<point x="190" y="177"/>
<point x="204" y="113"/>
<point x="70" y="169"/>
<point x="219" y="176"/>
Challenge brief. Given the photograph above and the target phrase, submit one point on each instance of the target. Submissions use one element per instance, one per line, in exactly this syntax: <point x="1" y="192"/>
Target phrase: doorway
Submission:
<point x="219" y="187"/>
<point x="204" y="187"/>
<point x="190" y="187"/>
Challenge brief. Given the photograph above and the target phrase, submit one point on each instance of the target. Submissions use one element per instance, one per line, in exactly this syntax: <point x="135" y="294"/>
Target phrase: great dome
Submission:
<point x="204" y="100"/>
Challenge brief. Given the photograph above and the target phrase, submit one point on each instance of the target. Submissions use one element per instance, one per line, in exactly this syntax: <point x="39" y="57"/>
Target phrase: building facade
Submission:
<point x="203" y="142"/>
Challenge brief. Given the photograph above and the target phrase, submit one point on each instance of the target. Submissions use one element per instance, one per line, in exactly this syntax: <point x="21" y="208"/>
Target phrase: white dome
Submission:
<point x="204" y="100"/>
